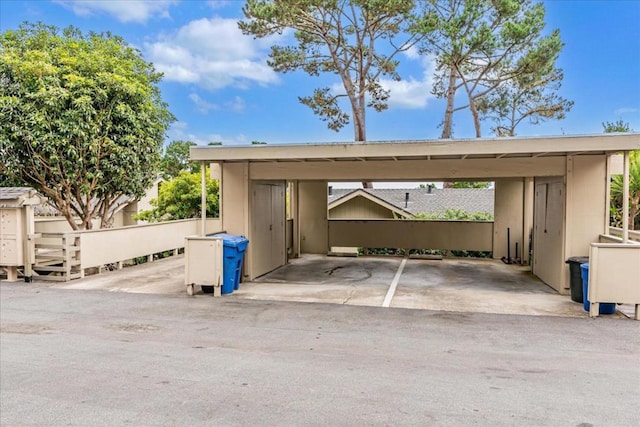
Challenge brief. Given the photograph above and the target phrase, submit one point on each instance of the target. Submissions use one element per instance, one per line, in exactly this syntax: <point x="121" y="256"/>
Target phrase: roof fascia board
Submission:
<point x="467" y="147"/>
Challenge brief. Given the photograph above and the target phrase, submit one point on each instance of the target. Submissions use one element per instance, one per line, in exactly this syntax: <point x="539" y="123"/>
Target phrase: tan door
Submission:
<point x="278" y="230"/>
<point x="268" y="231"/>
<point x="548" y="235"/>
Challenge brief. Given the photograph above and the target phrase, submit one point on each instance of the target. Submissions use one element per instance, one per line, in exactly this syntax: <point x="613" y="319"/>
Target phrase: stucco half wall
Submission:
<point x="580" y="163"/>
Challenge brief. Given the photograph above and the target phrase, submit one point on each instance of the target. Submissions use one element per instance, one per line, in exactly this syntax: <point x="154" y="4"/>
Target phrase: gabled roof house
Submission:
<point x="406" y="202"/>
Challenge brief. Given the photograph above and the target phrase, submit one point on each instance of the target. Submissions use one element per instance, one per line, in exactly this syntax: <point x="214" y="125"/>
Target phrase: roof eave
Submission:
<point x="428" y="149"/>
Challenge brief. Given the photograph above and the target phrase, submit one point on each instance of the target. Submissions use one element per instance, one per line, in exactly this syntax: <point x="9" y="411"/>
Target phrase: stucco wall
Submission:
<point x="508" y="213"/>
<point x="412" y="234"/>
<point x="586" y="206"/>
<point x="586" y="203"/>
<point x="235" y="193"/>
<point x="234" y="209"/>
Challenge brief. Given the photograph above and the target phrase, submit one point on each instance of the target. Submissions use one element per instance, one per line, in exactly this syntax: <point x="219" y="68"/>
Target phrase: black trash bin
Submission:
<point x="575" y="275"/>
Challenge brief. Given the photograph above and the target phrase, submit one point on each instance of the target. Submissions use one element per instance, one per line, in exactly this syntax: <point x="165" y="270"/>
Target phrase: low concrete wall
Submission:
<point x="614" y="275"/>
<point x="99" y="247"/>
<point x="412" y="234"/>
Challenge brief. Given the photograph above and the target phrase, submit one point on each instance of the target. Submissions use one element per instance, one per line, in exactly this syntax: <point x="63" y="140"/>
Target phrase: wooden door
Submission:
<point x="278" y="230"/>
<point x="548" y="235"/>
<point x="268" y="230"/>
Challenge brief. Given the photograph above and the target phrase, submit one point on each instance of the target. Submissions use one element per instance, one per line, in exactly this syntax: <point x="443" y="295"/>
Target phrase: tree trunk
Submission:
<point x="105" y="218"/>
<point x="476" y="117"/>
<point x="633" y="212"/>
<point x="447" y="125"/>
<point x="359" y="129"/>
<point x="69" y="217"/>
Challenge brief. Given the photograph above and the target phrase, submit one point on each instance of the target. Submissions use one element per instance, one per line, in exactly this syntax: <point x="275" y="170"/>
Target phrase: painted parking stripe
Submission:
<point x="394" y="284"/>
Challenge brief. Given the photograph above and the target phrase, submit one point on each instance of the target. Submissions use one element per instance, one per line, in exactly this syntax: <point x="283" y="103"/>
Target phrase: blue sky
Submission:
<point x="219" y="87"/>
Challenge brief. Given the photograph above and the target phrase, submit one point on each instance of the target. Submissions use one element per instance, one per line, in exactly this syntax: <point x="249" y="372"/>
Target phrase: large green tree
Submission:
<point x="356" y="40"/>
<point x="634" y="191"/>
<point x="180" y="198"/>
<point x="471" y="184"/>
<point x="529" y="98"/>
<point x="617" y="126"/>
<point x="482" y="45"/>
<point x="176" y="159"/>
<point x="81" y="118"/>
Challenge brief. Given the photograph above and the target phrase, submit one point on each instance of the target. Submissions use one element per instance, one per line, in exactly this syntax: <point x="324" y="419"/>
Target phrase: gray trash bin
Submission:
<point x="575" y="276"/>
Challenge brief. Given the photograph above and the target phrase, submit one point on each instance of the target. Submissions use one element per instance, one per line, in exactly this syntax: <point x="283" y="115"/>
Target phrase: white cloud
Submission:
<point x="238" y="139"/>
<point x="123" y="11"/>
<point x="202" y="105"/>
<point x="626" y="110"/>
<point x="237" y="104"/>
<point x="177" y="125"/>
<point x="179" y="131"/>
<point x="410" y="93"/>
<point x="212" y="53"/>
<point x="412" y="53"/>
<point x="218" y="4"/>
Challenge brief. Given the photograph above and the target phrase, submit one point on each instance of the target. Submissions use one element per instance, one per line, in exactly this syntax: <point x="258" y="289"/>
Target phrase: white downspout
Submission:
<point x="625" y="199"/>
<point x="203" y="201"/>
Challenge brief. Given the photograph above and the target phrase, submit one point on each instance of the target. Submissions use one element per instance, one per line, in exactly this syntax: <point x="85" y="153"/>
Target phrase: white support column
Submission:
<point x="215" y="173"/>
<point x="527" y="218"/>
<point x="203" y="201"/>
<point x="294" y="211"/>
<point x="607" y="196"/>
<point x="625" y="199"/>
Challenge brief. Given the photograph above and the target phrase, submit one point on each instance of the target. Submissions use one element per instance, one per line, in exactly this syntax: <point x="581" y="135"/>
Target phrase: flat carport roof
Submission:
<point x="459" y="149"/>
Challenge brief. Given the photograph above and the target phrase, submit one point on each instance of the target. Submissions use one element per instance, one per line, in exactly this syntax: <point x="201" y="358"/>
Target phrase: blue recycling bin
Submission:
<point x="606" y="307"/>
<point x="233" y="254"/>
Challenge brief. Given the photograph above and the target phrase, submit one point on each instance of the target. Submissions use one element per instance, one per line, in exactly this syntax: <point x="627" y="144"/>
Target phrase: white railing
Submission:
<point x="57" y="256"/>
<point x="633" y="234"/>
<point x="97" y="248"/>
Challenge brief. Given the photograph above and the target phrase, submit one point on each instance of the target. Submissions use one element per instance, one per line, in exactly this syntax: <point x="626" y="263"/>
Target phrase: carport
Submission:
<point x="551" y="191"/>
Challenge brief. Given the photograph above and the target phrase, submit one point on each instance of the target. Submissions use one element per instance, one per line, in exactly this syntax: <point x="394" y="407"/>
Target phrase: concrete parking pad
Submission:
<point x="164" y="276"/>
<point x="483" y="286"/>
<point x="456" y="285"/>
<point x="315" y="278"/>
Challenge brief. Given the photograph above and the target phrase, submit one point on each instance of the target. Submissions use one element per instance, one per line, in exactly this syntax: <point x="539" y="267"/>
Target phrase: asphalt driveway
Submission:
<point x="78" y="358"/>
